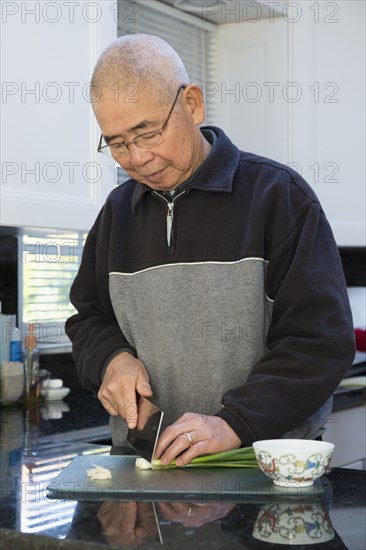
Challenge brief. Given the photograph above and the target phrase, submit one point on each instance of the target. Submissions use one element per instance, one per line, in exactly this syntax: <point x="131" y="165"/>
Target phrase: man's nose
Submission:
<point x="139" y="156"/>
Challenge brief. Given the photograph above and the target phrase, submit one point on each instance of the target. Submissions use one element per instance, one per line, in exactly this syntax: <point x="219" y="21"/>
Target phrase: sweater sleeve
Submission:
<point x="93" y="330"/>
<point x="310" y="340"/>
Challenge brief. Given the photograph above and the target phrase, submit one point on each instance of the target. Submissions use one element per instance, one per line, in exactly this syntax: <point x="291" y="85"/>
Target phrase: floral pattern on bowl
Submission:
<point x="289" y="523"/>
<point x="300" y="471"/>
<point x="295" y="463"/>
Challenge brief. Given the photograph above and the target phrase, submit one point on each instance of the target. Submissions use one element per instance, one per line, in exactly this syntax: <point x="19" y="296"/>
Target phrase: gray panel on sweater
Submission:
<point x="199" y="328"/>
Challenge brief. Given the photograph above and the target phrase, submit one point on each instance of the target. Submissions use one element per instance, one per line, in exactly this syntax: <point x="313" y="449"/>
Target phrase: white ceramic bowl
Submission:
<point x="54" y="383"/>
<point x="293" y="462"/>
<point x="293" y="523"/>
<point x="14" y="384"/>
<point x="55" y="394"/>
<point x="11" y="388"/>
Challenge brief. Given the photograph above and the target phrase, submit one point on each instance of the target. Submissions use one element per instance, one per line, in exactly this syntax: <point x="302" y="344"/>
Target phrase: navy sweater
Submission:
<point x="234" y="298"/>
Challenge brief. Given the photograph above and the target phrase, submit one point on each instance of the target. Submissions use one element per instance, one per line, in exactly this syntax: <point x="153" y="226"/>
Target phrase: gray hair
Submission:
<point x="140" y="60"/>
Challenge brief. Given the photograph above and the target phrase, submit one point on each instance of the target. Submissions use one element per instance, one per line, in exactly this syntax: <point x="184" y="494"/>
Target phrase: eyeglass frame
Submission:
<point x="162" y="129"/>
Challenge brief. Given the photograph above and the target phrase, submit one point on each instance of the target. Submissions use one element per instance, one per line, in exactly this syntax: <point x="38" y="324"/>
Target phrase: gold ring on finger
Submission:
<point x="189" y="438"/>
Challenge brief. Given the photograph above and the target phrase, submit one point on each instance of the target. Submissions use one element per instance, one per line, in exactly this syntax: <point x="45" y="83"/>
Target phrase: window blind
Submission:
<point x="49" y="264"/>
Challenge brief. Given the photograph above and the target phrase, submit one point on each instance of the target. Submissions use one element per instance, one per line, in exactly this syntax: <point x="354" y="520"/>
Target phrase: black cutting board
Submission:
<point x="203" y="484"/>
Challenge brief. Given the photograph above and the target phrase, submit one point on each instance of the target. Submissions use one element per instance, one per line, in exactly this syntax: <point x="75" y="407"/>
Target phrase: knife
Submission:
<point x="144" y="437"/>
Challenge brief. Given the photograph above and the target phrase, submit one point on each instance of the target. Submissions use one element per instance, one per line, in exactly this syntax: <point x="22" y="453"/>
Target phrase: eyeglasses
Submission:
<point x="144" y="141"/>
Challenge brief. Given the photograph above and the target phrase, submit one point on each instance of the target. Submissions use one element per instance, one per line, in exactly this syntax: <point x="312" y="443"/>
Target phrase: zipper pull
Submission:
<point x="169" y="223"/>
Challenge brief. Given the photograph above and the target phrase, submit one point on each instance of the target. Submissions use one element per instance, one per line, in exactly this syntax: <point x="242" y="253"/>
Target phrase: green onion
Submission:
<point x="237" y="458"/>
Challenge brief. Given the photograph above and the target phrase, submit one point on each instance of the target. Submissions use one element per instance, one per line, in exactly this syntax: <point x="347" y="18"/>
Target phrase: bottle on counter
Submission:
<point x="31" y="364"/>
<point x="7" y="324"/>
<point x="16" y="346"/>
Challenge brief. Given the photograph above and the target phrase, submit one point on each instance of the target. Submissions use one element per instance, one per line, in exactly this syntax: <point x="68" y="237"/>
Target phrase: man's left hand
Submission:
<point x="195" y="435"/>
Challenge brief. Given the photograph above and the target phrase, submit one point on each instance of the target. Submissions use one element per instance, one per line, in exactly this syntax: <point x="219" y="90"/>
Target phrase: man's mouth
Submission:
<point x="155" y="176"/>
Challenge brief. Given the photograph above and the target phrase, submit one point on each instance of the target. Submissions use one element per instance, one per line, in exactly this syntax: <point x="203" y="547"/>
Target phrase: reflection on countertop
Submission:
<point x="37" y="443"/>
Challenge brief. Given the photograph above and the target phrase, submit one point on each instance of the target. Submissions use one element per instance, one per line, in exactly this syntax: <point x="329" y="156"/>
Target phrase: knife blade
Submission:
<point x="144" y="437"/>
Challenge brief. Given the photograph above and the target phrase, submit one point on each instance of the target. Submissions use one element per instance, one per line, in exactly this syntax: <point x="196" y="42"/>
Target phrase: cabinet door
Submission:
<point x="250" y="73"/>
<point x="52" y="175"/>
<point x="328" y="61"/>
<point x="292" y="87"/>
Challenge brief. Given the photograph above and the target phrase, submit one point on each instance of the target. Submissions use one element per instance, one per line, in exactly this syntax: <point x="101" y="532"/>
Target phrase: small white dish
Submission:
<point x="55" y="394"/>
<point x="54" y="383"/>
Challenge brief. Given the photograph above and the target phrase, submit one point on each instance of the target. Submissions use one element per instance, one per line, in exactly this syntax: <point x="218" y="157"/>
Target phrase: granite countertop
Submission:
<point x="37" y="442"/>
<point x="347" y="397"/>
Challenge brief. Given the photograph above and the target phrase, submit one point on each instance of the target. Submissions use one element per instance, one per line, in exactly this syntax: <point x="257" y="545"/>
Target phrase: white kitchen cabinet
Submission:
<point x="289" y="87"/>
<point x="292" y="88"/>
<point x="52" y="175"/>
<point x="250" y="57"/>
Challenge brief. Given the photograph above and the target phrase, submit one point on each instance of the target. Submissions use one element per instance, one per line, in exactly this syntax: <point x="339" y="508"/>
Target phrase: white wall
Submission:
<point x="52" y="175"/>
<point x="318" y="59"/>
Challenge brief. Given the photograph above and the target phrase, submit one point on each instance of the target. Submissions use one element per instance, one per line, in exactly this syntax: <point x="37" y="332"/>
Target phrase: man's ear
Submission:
<point x="194" y="104"/>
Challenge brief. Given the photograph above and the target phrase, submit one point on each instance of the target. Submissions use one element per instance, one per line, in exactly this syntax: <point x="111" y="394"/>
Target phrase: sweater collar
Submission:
<point x="215" y="174"/>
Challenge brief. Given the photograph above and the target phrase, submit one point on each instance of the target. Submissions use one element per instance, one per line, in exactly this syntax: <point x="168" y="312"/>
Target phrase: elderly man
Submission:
<point x="210" y="281"/>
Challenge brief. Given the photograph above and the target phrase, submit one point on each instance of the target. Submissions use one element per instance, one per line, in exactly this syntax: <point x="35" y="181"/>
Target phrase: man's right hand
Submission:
<point x="125" y="375"/>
